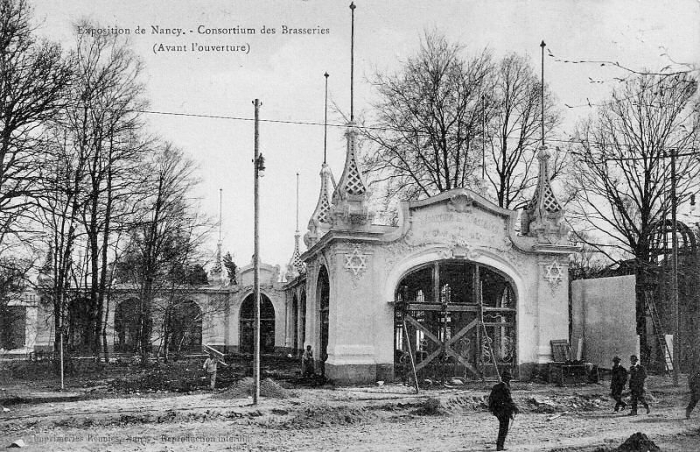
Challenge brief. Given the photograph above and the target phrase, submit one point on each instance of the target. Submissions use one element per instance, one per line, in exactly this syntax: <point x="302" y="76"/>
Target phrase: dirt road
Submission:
<point x="387" y="418"/>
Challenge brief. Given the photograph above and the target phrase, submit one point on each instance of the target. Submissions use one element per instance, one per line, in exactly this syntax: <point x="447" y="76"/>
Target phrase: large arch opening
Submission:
<point x="456" y="319"/>
<point x="302" y="321"/>
<point x="126" y="326"/>
<point x="324" y="293"/>
<point x="295" y="323"/>
<point x="183" y="327"/>
<point x="247" y="324"/>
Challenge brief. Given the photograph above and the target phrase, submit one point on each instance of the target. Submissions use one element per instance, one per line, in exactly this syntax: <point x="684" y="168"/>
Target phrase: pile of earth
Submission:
<point x="431" y="407"/>
<point x="466" y="403"/>
<point x="324" y="415"/>
<point x="245" y="387"/>
<point x="638" y="442"/>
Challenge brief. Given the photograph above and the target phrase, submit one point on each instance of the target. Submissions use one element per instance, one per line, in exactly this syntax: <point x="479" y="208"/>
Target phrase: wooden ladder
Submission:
<point x="658" y="331"/>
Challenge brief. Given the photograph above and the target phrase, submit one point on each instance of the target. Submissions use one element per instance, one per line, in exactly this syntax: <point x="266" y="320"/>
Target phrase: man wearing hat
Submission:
<point x="637" y="376"/>
<point x="502" y="406"/>
<point x="617" y="383"/>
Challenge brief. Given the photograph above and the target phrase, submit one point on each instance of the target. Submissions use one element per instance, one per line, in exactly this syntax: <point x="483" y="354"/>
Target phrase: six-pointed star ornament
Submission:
<point x="554" y="273"/>
<point x="356" y="261"/>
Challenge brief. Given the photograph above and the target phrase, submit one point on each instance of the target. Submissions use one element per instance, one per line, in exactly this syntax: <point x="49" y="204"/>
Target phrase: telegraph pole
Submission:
<point x="257" y="163"/>
<point x="674" y="270"/>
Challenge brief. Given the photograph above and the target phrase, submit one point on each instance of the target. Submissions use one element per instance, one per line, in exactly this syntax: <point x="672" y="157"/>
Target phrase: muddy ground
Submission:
<point x="167" y="408"/>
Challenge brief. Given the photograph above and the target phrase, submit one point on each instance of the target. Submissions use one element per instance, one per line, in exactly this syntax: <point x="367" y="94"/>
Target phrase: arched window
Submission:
<point x="267" y="325"/>
<point x="324" y="293"/>
<point x="183" y="327"/>
<point x="126" y="326"/>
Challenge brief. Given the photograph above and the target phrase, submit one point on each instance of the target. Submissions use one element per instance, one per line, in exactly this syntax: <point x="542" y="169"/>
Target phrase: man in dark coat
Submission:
<point x="694" y="384"/>
<point x="637" y="376"/>
<point x="502" y="406"/>
<point x="617" y="383"/>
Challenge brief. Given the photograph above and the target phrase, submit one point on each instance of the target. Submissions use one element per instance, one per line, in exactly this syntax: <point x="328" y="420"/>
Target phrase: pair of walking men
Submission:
<point x="637" y="376"/>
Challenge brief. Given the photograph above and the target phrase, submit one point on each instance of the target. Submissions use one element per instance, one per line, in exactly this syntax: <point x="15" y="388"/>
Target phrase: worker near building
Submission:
<point x="210" y="365"/>
<point x="638" y="375"/>
<point x="307" y="363"/>
<point x="502" y="406"/>
<point x="694" y="384"/>
<point x="618" y="383"/>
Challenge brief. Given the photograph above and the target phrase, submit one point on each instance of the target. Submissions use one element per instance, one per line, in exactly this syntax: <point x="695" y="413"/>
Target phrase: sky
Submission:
<point x="202" y="101"/>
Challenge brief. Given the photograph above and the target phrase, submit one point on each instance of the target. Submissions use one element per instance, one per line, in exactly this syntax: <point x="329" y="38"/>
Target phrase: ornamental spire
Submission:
<point x="543" y="214"/>
<point x="320" y="221"/>
<point x="350" y="197"/>
<point x="217" y="275"/>
<point x="296" y="265"/>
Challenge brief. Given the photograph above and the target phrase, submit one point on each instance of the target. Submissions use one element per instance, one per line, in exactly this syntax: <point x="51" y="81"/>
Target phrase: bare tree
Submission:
<point x="106" y="126"/>
<point x="621" y="177"/>
<point x="429" y="121"/>
<point x="164" y="240"/>
<point x="91" y="180"/>
<point x="33" y="77"/>
<point x="514" y="109"/>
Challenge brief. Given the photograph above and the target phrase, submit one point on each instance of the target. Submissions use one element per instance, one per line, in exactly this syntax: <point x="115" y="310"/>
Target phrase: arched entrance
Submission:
<point x="324" y="293"/>
<point x="126" y="327"/>
<point x="295" y="323"/>
<point x="457" y="319"/>
<point x="302" y="321"/>
<point x="267" y="325"/>
<point x="183" y="327"/>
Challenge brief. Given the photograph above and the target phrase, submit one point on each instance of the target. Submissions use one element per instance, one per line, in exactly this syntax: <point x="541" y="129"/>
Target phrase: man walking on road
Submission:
<point x="637" y="377"/>
<point x="617" y="383"/>
<point x="502" y="406"/>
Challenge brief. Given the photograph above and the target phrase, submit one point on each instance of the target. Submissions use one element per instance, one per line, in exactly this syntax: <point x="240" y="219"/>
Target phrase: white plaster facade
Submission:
<point x="365" y="266"/>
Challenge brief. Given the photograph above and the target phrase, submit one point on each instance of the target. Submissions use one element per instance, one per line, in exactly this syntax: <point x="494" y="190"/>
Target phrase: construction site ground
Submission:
<point x="168" y="408"/>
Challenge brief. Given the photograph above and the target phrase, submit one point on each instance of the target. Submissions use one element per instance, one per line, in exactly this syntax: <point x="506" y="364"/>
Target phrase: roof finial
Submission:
<point x="325" y="121"/>
<point x="297" y="229"/>
<point x="542" y="45"/>
<point x="352" y="61"/>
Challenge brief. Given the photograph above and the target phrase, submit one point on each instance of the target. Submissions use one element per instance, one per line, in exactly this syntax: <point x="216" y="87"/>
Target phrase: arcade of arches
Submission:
<point x="452" y="288"/>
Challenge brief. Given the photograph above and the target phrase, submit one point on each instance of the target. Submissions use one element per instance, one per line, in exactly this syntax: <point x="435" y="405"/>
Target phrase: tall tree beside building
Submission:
<point x="106" y="127"/>
<point x="164" y="241"/>
<point x="513" y="107"/>
<point x="428" y="131"/>
<point x="93" y="179"/>
<point x="621" y="176"/>
<point x="33" y="79"/>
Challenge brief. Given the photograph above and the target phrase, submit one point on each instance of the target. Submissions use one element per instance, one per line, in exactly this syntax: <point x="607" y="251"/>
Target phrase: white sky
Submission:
<point x="286" y="73"/>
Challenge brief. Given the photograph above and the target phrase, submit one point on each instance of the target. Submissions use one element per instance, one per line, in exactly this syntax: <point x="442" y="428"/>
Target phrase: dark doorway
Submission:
<point x="267" y="325"/>
<point x="324" y="292"/>
<point x="183" y="327"/>
<point x="126" y="326"/>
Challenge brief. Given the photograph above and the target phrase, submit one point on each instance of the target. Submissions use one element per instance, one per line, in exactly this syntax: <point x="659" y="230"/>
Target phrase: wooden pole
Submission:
<point x="674" y="270"/>
<point x="256" y="262"/>
<point x="410" y="353"/>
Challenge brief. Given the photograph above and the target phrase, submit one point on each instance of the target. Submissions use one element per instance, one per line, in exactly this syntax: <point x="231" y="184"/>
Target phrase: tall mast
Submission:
<point x="542" y="45"/>
<point x="325" y="121"/>
<point x="352" y="62"/>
